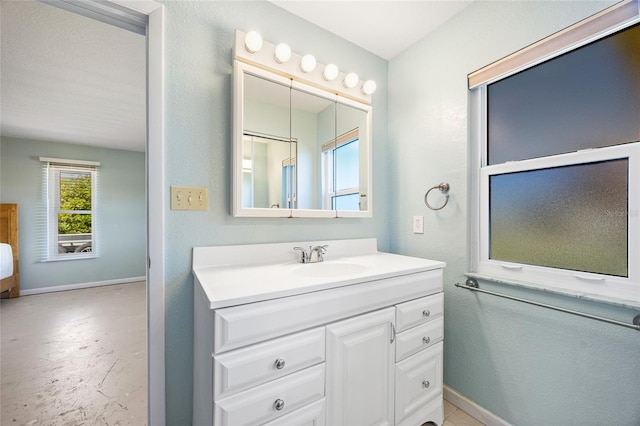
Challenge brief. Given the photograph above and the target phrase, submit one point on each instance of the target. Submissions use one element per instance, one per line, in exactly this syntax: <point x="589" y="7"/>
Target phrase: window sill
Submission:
<point x="628" y="304"/>
<point x="72" y="257"/>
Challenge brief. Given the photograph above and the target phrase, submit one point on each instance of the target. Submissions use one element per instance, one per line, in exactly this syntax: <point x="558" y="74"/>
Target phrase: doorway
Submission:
<point x="152" y="24"/>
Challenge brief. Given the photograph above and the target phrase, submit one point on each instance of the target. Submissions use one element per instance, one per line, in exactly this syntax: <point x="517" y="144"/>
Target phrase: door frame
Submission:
<point x="156" y="414"/>
<point x="146" y="17"/>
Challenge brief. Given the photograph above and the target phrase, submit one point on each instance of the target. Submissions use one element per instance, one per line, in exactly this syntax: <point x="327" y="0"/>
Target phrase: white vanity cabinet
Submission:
<point x="363" y="350"/>
<point x="418" y="369"/>
<point x="360" y="370"/>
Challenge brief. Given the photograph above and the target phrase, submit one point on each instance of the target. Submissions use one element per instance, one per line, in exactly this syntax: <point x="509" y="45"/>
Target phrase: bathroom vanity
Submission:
<point x="353" y="340"/>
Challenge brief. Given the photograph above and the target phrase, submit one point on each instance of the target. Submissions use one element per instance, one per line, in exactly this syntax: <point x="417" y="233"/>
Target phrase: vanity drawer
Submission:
<point x="418" y="382"/>
<point x="243" y="325"/>
<point x="250" y="366"/>
<point x="418" y="338"/>
<point x="419" y="311"/>
<point x="271" y="400"/>
<point x="309" y="415"/>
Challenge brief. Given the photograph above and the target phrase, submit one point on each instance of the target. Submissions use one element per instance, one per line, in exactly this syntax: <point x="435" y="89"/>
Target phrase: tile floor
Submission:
<point x="75" y="357"/>
<point x="454" y="416"/>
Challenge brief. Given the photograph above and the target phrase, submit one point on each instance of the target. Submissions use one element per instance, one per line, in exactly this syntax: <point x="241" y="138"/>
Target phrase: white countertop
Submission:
<point x="227" y="284"/>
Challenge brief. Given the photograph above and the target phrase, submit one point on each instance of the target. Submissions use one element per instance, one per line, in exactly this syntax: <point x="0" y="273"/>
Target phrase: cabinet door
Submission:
<point x="360" y="370"/>
<point x="418" y="383"/>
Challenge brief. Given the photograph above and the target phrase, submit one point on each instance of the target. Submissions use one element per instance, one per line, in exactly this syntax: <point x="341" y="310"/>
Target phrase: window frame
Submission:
<point x="53" y="169"/>
<point x="599" y="287"/>
<point x="328" y="168"/>
<point x="627" y="288"/>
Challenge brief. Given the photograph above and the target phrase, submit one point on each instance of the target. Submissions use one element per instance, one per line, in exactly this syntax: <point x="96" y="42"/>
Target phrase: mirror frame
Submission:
<point x="240" y="69"/>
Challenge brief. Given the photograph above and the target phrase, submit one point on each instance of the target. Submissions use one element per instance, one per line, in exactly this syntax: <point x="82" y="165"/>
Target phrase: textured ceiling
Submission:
<point x="383" y="27"/>
<point x="68" y="78"/>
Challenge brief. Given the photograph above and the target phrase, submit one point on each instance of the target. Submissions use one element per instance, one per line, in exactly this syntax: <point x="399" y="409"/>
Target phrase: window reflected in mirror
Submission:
<point x="299" y="151"/>
<point x="313" y="120"/>
<point x="340" y="158"/>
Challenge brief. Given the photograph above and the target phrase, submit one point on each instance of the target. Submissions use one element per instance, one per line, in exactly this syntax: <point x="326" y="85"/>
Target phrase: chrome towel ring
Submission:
<point x="444" y="188"/>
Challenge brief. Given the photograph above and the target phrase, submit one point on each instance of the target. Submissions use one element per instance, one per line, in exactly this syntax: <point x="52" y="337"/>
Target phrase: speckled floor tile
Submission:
<point x="75" y="358"/>
<point x="454" y="416"/>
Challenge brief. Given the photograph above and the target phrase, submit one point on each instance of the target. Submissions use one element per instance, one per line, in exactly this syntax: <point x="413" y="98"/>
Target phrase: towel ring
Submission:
<point x="444" y="188"/>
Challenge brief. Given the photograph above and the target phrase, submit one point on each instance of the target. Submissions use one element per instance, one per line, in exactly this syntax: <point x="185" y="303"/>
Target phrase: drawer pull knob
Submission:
<point x="426" y="384"/>
<point x="279" y="404"/>
<point x="279" y="363"/>
<point x="426" y="313"/>
<point x="426" y="340"/>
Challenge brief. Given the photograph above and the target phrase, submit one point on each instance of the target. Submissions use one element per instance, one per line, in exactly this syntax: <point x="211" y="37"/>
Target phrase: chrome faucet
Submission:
<point x="320" y="251"/>
<point x="307" y="255"/>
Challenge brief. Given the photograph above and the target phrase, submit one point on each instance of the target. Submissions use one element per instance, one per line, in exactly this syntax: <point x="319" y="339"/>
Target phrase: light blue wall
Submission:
<point x="198" y="37"/>
<point x="529" y="365"/>
<point x="121" y="213"/>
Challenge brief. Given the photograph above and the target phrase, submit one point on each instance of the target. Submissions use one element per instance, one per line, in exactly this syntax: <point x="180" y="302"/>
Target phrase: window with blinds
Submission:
<point x="71" y="208"/>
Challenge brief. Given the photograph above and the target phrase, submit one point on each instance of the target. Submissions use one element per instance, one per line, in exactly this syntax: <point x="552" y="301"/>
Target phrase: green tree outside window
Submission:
<point x="75" y="195"/>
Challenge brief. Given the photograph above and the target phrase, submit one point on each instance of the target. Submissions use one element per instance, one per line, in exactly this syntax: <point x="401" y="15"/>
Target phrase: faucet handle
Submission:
<point x="305" y="256"/>
<point x="320" y="250"/>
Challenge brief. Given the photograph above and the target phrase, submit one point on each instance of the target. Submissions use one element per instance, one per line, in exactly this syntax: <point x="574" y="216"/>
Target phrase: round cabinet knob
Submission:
<point x="426" y="340"/>
<point x="279" y="363"/>
<point x="426" y="384"/>
<point x="279" y="404"/>
<point x="426" y="313"/>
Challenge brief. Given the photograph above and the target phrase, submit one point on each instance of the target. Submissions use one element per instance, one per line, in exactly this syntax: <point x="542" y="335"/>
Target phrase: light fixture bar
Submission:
<point x="266" y="57"/>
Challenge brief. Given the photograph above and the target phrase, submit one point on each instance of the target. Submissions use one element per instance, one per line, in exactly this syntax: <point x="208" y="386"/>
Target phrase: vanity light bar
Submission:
<point x="252" y="49"/>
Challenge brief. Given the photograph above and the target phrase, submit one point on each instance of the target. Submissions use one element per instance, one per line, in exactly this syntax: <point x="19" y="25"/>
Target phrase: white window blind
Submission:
<point x="606" y="22"/>
<point x="71" y="204"/>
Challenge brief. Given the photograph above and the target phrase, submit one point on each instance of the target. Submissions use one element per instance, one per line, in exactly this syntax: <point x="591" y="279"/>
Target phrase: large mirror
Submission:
<point x="299" y="151"/>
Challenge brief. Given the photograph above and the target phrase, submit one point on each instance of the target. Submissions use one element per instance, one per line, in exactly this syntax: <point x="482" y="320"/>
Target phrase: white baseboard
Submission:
<point x="474" y="410"/>
<point x="79" y="286"/>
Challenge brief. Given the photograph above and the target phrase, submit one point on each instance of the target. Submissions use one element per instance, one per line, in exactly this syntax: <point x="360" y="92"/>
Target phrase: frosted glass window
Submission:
<point x="571" y="217"/>
<point x="558" y="156"/>
<point x="586" y="98"/>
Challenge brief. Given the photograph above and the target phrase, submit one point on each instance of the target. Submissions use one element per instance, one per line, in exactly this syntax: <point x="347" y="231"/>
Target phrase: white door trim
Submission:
<point x="155" y="218"/>
<point x="128" y="11"/>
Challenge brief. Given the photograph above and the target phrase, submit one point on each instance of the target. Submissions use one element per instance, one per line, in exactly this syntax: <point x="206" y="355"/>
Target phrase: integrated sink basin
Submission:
<point x="329" y="269"/>
<point x="233" y="275"/>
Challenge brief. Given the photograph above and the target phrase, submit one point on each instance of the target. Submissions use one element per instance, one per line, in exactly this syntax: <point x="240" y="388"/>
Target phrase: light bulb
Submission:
<point x="253" y="41"/>
<point x="350" y="80"/>
<point x="330" y="72"/>
<point x="369" y="87"/>
<point x="283" y="53"/>
<point x="308" y="63"/>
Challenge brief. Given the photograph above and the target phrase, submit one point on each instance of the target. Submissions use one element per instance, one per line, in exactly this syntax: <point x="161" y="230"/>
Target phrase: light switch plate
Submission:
<point x="418" y="224"/>
<point x="189" y="198"/>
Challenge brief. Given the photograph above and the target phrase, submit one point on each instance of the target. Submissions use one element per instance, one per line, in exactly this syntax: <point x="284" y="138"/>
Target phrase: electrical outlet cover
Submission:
<point x="418" y="224"/>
